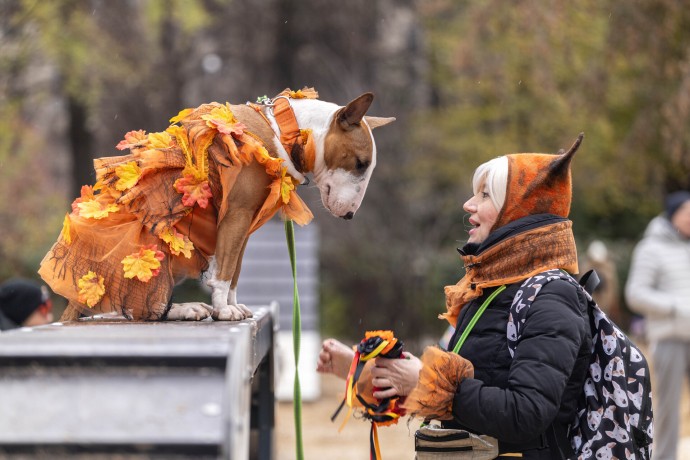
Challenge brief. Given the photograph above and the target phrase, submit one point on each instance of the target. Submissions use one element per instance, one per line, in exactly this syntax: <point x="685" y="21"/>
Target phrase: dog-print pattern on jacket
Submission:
<point x="614" y="417"/>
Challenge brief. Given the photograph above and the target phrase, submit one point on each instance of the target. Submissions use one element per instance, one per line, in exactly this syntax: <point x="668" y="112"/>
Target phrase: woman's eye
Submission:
<point x="485" y="195"/>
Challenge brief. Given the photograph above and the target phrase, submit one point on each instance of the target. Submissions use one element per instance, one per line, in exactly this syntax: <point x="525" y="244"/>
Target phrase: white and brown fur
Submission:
<point x="345" y="156"/>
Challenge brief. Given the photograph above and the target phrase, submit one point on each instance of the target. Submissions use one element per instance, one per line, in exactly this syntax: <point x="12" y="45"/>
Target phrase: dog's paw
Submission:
<point x="190" y="311"/>
<point x="231" y="312"/>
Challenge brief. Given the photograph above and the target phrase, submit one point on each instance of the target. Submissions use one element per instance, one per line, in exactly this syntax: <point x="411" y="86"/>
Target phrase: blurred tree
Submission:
<point x="467" y="81"/>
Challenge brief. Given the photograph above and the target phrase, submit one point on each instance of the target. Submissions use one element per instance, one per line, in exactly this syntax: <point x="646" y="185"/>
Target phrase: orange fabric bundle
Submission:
<point x="439" y="378"/>
<point x="359" y="390"/>
<point x="151" y="219"/>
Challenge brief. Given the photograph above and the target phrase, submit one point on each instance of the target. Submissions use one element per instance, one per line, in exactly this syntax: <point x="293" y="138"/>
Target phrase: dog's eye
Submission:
<point x="362" y="165"/>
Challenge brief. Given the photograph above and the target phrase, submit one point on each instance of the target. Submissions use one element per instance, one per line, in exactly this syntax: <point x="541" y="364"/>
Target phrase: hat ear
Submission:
<point x="562" y="163"/>
<point x="538" y="183"/>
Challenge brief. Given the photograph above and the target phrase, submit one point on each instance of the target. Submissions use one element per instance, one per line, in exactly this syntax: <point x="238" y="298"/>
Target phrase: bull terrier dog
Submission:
<point x="183" y="202"/>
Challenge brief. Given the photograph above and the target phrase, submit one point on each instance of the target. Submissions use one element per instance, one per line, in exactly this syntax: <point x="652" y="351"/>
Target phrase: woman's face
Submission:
<point x="681" y="219"/>
<point x="483" y="215"/>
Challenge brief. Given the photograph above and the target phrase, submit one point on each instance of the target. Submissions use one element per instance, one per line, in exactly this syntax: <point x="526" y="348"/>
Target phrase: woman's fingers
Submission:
<point x="335" y="357"/>
<point x="387" y="393"/>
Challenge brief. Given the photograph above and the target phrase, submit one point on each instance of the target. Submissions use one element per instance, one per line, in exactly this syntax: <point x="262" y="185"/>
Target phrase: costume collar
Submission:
<point x="527" y="248"/>
<point x="513" y="228"/>
<point x="298" y="143"/>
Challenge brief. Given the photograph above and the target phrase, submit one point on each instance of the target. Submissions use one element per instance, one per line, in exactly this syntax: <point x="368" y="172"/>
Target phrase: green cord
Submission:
<point x="296" y="338"/>
<point x="475" y="318"/>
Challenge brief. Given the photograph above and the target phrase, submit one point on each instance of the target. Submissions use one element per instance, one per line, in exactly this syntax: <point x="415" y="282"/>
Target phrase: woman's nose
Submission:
<point x="469" y="206"/>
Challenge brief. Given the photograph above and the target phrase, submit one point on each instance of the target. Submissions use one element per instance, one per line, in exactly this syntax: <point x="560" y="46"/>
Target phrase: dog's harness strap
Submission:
<point x="298" y="143"/>
<point x="292" y="138"/>
<point x="287" y="122"/>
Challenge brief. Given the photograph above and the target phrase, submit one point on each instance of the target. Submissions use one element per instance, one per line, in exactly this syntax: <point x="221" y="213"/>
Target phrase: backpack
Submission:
<point x="614" y="412"/>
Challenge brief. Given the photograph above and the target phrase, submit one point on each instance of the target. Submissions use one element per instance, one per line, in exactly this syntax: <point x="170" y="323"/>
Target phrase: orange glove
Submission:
<point x="439" y="378"/>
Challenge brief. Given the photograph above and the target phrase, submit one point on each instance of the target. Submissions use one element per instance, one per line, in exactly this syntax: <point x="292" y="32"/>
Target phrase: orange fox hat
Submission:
<point x="538" y="183"/>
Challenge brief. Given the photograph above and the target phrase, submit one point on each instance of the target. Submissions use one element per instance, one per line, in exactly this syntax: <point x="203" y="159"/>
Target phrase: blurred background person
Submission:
<point x="658" y="287"/>
<point x="24" y="303"/>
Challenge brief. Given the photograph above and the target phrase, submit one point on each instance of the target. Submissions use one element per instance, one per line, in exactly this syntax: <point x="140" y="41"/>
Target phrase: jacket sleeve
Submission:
<point x="544" y="360"/>
<point x="641" y="292"/>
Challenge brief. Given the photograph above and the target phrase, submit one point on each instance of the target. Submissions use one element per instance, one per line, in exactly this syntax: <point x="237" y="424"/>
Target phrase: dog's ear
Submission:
<point x="375" y="122"/>
<point x="351" y="115"/>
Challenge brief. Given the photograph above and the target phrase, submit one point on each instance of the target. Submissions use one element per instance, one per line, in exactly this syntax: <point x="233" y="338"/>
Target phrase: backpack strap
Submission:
<point x="523" y="301"/>
<point x="590" y="281"/>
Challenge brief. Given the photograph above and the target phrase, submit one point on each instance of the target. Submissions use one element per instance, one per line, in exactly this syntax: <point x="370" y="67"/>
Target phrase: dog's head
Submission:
<point x="349" y="157"/>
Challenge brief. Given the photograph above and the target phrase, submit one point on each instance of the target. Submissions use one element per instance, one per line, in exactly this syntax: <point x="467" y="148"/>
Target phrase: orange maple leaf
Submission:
<point x="184" y="113"/>
<point x="93" y="209"/>
<point x="86" y="194"/>
<point x="161" y="140"/>
<point x="195" y="190"/>
<point x="286" y="186"/>
<point x="224" y="121"/>
<point x="144" y="264"/>
<point x="177" y="242"/>
<point x="91" y="289"/>
<point x="128" y="175"/>
<point x="133" y="139"/>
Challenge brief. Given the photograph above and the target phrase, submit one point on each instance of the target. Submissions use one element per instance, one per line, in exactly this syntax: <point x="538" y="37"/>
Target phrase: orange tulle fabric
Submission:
<point x="439" y="378"/>
<point x="152" y="217"/>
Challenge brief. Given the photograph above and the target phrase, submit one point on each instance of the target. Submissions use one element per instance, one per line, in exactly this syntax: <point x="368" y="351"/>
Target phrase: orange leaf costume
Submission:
<point x="151" y="220"/>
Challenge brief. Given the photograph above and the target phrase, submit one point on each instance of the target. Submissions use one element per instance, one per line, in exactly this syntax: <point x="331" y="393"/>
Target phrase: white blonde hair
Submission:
<point x="493" y="174"/>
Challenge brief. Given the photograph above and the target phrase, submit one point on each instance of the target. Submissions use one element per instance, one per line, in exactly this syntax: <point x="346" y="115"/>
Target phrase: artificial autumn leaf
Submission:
<point x="86" y="195"/>
<point x="161" y="140"/>
<point x="91" y="289"/>
<point x="297" y="94"/>
<point x="195" y="190"/>
<point x="304" y="93"/>
<point x="181" y="115"/>
<point x="180" y="135"/>
<point x="224" y="121"/>
<point x="296" y="210"/>
<point x="132" y="139"/>
<point x="144" y="264"/>
<point x="273" y="165"/>
<point x="305" y="133"/>
<point x="177" y="242"/>
<point x="128" y="176"/>
<point x="92" y="209"/>
<point x="66" y="232"/>
<point x="286" y="186"/>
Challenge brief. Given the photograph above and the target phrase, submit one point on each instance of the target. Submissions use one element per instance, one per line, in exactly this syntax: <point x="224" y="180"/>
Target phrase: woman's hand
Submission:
<point x="397" y="376"/>
<point x="335" y="358"/>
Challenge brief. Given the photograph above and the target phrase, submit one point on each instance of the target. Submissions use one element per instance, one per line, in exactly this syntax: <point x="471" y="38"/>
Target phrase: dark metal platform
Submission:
<point x="122" y="389"/>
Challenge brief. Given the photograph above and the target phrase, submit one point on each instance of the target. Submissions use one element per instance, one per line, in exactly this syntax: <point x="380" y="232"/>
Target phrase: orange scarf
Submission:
<point x="511" y="260"/>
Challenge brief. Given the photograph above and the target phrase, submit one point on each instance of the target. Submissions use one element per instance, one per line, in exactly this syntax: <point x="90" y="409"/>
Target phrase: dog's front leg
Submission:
<point x="232" y="239"/>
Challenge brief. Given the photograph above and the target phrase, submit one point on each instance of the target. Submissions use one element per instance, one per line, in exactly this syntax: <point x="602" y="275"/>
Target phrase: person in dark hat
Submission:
<point x="658" y="288"/>
<point x="24" y="303"/>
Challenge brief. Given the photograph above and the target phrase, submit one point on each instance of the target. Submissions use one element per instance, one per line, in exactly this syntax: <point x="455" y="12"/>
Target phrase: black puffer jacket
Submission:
<point x="526" y="402"/>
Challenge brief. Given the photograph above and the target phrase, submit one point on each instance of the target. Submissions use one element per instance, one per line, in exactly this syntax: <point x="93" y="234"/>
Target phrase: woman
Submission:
<point x="519" y="228"/>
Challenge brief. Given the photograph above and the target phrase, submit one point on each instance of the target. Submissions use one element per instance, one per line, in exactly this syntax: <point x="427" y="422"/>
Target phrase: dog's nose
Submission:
<point x="349" y="215"/>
